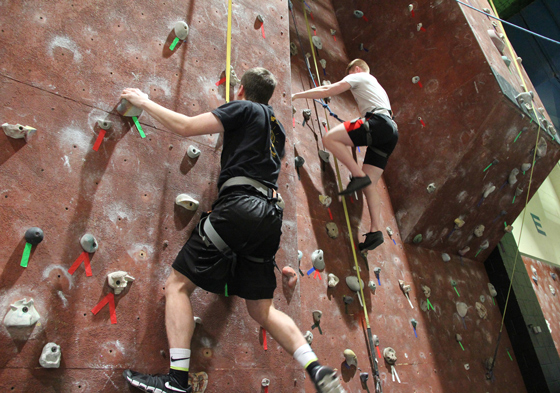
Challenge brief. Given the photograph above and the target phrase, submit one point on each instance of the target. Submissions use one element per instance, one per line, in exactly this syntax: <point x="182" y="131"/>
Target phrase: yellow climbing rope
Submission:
<point x="228" y="51"/>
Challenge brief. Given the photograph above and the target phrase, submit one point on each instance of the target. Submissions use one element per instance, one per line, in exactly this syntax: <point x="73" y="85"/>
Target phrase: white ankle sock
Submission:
<point x="180" y="358"/>
<point x="305" y="355"/>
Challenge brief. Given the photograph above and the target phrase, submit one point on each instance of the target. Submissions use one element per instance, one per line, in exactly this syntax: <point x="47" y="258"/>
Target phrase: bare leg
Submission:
<point x="179" y="320"/>
<point x="372" y="196"/>
<point x="337" y="142"/>
<point x="280" y="326"/>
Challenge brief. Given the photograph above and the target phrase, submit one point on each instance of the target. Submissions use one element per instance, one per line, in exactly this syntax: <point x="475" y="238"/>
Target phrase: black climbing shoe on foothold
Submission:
<point x="357" y="183"/>
<point x="160" y="383"/>
<point x="326" y="381"/>
<point x="373" y="239"/>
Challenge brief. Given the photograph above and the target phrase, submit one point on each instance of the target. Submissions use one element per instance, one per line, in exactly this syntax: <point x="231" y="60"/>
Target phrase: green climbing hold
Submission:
<point x="417" y="239"/>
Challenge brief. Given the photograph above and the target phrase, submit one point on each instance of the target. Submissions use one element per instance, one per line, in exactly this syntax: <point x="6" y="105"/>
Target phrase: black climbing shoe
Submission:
<point x="326" y="381"/>
<point x="373" y="239"/>
<point x="160" y="383"/>
<point x="357" y="183"/>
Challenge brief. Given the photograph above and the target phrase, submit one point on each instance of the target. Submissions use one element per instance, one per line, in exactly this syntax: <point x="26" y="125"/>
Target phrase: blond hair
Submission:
<point x="357" y="63"/>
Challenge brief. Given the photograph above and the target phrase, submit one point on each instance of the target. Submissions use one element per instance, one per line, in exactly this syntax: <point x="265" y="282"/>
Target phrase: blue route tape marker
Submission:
<point x="310" y="271"/>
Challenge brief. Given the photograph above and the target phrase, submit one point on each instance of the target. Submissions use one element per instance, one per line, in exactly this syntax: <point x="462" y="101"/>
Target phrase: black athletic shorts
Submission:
<point x="251" y="226"/>
<point x="384" y="136"/>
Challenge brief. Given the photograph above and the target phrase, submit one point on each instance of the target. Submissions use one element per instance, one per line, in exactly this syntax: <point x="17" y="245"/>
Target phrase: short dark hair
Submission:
<point x="259" y="84"/>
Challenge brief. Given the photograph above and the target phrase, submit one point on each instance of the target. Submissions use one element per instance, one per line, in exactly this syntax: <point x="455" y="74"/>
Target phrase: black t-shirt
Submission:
<point x="253" y="142"/>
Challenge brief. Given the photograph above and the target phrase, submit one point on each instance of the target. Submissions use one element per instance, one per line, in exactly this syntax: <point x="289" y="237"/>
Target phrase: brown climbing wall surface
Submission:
<point x="464" y="99"/>
<point x="434" y="361"/>
<point x="64" y="66"/>
<point x="547" y="289"/>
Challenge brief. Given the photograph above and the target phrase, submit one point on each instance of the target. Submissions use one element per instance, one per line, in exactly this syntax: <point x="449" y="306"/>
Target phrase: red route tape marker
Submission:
<point x="334" y="38"/>
<point x="84" y="256"/>
<point x="262" y="29"/>
<point x="265" y="346"/>
<point x="422" y="29"/>
<point x="110" y="298"/>
<point x="218" y="83"/>
<point x="378" y="352"/>
<point x="330" y="214"/>
<point x="99" y="140"/>
<point x="420" y="84"/>
<point x="422" y="121"/>
<point x="266" y="389"/>
<point x="412" y="13"/>
<point x="311" y="13"/>
<point x="366" y="19"/>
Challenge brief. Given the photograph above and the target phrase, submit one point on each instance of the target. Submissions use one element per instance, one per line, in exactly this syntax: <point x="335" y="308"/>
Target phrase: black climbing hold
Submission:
<point x="34" y="236"/>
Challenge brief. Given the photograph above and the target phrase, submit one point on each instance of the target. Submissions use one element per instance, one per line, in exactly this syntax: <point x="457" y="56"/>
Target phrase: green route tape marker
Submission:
<point x="461" y="345"/>
<point x="137" y="123"/>
<point x="226" y="293"/>
<point x="510" y="358"/>
<point x="455" y="288"/>
<point x="515" y="140"/>
<point x="26" y="253"/>
<point x="487" y="168"/>
<point x="513" y="199"/>
<point x="493" y="301"/>
<point x="478" y="252"/>
<point x="505" y="223"/>
<point x="174" y="43"/>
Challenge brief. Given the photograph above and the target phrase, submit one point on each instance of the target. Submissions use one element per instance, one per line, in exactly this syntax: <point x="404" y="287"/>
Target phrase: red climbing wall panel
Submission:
<point x="64" y="66"/>
<point x="434" y="361"/>
<point x="464" y="99"/>
<point x="544" y="287"/>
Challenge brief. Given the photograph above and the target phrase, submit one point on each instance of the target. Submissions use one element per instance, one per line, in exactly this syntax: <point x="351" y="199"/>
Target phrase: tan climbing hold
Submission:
<point x="187" y="202"/>
<point x="508" y="228"/>
<point x="119" y="281"/>
<point x="181" y="30"/>
<point x="17" y="131"/>
<point x="464" y="251"/>
<point x="489" y="190"/>
<point x="512" y="179"/>
<point x="317" y="314"/>
<point x="50" y="357"/>
<point x="390" y="355"/>
<point x="22" y="314"/>
<point x="308" y="337"/>
<point x="479" y="230"/>
<point x="541" y="147"/>
<point x="333" y="280"/>
<point x="427" y="291"/>
<point x="325" y="200"/>
<point x="350" y="358"/>
<point x="332" y="230"/>
<point x="492" y="290"/>
<point x="459" y="222"/>
<point x="481" y="310"/>
<point x="462" y="309"/>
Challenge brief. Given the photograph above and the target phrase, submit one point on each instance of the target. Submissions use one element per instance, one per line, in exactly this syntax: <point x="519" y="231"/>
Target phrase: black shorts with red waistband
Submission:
<point x="384" y="137"/>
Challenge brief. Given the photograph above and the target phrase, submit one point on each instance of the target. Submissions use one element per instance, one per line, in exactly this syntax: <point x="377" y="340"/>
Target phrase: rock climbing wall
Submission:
<point x="545" y="281"/>
<point x="64" y="66"/>
<point x="463" y="129"/>
<point x="429" y="358"/>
